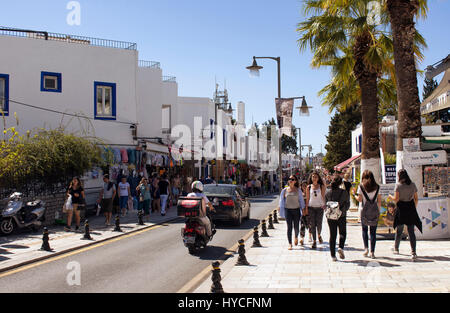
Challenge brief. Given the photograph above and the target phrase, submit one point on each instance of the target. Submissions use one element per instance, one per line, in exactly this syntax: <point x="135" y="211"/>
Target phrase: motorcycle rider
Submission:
<point x="197" y="192"/>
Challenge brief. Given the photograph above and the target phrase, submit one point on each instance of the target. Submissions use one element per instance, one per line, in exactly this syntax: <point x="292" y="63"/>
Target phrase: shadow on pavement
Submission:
<point x="212" y="253"/>
<point x="14" y="247"/>
<point x="434" y="258"/>
<point x="408" y="259"/>
<point x="364" y="263"/>
<point x="250" y="224"/>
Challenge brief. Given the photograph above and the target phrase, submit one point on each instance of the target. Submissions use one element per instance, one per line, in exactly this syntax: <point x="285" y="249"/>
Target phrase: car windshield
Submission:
<point x="217" y="190"/>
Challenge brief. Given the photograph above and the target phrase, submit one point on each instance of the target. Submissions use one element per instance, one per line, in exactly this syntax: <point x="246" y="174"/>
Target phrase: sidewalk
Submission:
<point x="275" y="269"/>
<point x="23" y="248"/>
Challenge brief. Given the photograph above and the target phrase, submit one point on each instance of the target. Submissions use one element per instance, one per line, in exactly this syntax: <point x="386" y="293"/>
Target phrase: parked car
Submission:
<point x="229" y="201"/>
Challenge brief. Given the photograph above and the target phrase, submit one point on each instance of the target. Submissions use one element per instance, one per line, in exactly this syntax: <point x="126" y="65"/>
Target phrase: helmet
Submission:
<point x="197" y="185"/>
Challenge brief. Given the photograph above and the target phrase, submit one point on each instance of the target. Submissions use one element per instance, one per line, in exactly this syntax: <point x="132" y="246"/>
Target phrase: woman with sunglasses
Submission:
<point x="291" y="206"/>
<point x="315" y="204"/>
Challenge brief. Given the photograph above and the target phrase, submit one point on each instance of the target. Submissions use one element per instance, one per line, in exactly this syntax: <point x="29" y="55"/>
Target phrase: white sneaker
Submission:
<point x="366" y="253"/>
<point x="395" y="251"/>
<point x="334" y="259"/>
<point x="413" y="256"/>
<point x="341" y="253"/>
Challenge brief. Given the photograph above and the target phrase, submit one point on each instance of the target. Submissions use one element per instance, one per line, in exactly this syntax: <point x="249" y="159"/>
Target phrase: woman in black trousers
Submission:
<point x="341" y="196"/>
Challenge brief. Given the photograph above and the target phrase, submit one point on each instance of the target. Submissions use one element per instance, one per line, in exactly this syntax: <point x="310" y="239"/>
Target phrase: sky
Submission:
<point x="201" y="41"/>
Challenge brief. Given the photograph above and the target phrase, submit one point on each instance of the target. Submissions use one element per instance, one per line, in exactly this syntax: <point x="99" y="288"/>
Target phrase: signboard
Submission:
<point x="390" y="174"/>
<point x="411" y="144"/>
<point x="425" y="158"/>
<point x="435" y="219"/>
<point x="285" y="108"/>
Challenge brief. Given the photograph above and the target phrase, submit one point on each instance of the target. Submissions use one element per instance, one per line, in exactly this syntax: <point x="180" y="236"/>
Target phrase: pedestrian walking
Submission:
<point x="406" y="214"/>
<point x="368" y="195"/>
<point x="315" y="202"/>
<point x="304" y="221"/>
<point x="77" y="192"/>
<point x="164" y="192"/>
<point x="124" y="195"/>
<point x="176" y="189"/>
<point x="341" y="196"/>
<point x="258" y="186"/>
<point x="156" y="198"/>
<point x="106" y="198"/>
<point x="143" y="191"/>
<point x="292" y="204"/>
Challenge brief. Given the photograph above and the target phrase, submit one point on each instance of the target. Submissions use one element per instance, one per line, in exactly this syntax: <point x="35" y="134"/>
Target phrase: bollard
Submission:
<point x="45" y="241"/>
<point x="118" y="224"/>
<point x="256" y="243"/>
<point x="141" y="217"/>
<point x="87" y="234"/>
<point x="242" y="260"/>
<point x="264" y="229"/>
<point x="271" y="222"/>
<point x="275" y="217"/>
<point x="216" y="286"/>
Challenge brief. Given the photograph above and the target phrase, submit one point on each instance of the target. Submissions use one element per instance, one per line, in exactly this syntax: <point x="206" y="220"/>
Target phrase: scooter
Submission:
<point x="194" y="232"/>
<point x="18" y="215"/>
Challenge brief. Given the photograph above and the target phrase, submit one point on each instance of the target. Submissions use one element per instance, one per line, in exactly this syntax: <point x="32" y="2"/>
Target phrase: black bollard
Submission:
<point x="216" y="286"/>
<point x="45" y="241"/>
<point x="87" y="234"/>
<point x="256" y="243"/>
<point x="118" y="224"/>
<point x="271" y="222"/>
<point x="264" y="229"/>
<point x="242" y="260"/>
<point x="275" y="217"/>
<point x="141" y="217"/>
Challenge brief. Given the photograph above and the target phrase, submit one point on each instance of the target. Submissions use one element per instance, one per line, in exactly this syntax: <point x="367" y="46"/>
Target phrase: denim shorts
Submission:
<point x="123" y="201"/>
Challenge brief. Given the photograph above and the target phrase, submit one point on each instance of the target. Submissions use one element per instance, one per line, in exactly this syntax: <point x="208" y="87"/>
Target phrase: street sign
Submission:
<point x="425" y="158"/>
<point x="411" y="144"/>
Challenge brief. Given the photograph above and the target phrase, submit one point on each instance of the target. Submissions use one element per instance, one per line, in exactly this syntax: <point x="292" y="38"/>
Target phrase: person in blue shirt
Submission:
<point x="291" y="206"/>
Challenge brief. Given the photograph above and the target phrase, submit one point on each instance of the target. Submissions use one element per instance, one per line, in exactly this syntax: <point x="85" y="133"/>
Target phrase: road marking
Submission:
<point x="108" y="241"/>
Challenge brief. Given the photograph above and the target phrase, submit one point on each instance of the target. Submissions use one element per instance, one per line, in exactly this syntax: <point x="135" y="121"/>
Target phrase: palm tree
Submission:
<point x="402" y="13"/>
<point x="340" y="37"/>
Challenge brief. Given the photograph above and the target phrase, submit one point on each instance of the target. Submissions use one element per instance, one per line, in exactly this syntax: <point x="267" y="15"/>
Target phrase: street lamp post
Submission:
<point x="254" y="71"/>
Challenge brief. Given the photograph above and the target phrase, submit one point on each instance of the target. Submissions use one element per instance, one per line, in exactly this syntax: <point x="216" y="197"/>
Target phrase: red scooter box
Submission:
<point x="189" y="207"/>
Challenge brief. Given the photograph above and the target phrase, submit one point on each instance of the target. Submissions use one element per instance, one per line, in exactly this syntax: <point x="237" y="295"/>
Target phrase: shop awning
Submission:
<point x="340" y="166"/>
<point x="438" y="140"/>
<point x="439" y="98"/>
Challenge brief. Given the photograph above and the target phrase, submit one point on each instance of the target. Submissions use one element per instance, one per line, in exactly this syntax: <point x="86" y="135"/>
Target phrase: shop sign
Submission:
<point x="425" y="158"/>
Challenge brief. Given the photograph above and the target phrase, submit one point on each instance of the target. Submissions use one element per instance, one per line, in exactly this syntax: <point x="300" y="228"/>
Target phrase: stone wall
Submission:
<point x="53" y="203"/>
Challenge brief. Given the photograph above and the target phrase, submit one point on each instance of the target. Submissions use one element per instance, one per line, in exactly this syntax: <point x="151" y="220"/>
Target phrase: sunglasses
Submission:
<point x="292" y="179"/>
<point x="315" y="193"/>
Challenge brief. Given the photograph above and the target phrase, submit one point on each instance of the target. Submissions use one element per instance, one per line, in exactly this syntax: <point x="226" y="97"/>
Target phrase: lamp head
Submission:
<point x="304" y="109"/>
<point x="254" y="68"/>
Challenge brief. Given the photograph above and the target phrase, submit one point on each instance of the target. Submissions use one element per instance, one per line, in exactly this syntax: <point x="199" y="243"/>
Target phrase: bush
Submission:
<point x="46" y="155"/>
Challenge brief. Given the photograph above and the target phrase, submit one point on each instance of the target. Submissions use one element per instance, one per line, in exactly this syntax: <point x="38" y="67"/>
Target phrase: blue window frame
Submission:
<point x="51" y="82"/>
<point x="211" y="124"/>
<point x="360" y="143"/>
<point x="4" y="93"/>
<point x="105" y="101"/>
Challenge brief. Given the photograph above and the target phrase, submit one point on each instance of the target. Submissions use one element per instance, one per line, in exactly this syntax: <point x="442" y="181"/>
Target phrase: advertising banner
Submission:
<point x="285" y="109"/>
<point x="433" y="213"/>
<point x="390" y="174"/>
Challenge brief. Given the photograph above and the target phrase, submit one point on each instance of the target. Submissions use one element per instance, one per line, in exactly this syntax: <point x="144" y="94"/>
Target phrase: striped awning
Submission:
<point x="340" y="166"/>
<point x="438" y="140"/>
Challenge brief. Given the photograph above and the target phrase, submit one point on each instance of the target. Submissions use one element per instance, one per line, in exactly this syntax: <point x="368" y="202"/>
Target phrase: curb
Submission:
<point x="54" y="254"/>
<point x="203" y="275"/>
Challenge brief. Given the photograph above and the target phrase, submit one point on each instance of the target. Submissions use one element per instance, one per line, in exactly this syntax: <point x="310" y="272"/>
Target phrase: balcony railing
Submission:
<point x="7" y="31"/>
<point x="169" y="79"/>
<point x="149" y="64"/>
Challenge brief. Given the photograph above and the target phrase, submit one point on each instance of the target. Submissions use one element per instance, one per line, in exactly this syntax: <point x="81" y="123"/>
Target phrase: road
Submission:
<point x="154" y="261"/>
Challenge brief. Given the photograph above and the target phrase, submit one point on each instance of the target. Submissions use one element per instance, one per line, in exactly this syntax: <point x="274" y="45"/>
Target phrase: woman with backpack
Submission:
<point x="291" y="206"/>
<point x="315" y="204"/>
<point x="406" y="214"/>
<point x="368" y="195"/>
<point x="338" y="202"/>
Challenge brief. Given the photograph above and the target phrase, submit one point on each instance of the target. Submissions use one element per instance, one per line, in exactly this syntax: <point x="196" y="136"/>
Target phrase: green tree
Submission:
<point x="429" y="86"/>
<point x="339" y="146"/>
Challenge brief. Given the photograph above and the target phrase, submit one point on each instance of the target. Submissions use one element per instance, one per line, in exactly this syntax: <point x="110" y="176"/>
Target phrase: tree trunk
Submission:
<point x="402" y="14"/>
<point x="367" y="80"/>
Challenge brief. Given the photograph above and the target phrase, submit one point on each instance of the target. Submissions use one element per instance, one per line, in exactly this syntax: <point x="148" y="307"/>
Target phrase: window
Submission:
<point x="105" y="101"/>
<point x="166" y="121"/>
<point x="4" y="93"/>
<point x="51" y="82"/>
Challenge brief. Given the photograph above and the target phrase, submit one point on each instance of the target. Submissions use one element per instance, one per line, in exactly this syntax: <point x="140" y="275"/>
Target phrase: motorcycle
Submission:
<point x="18" y="215"/>
<point x="194" y="232"/>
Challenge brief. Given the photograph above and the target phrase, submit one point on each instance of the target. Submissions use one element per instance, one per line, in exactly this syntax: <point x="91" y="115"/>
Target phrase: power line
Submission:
<point x="63" y="113"/>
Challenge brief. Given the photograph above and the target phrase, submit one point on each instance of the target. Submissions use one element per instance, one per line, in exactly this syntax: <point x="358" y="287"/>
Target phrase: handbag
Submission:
<point x="68" y="205"/>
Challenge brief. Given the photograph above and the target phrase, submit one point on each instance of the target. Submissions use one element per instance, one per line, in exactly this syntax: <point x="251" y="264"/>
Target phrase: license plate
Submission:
<point x="189" y="239"/>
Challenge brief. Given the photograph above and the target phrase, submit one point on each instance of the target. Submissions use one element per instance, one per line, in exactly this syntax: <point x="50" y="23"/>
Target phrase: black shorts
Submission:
<point x="107" y="205"/>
